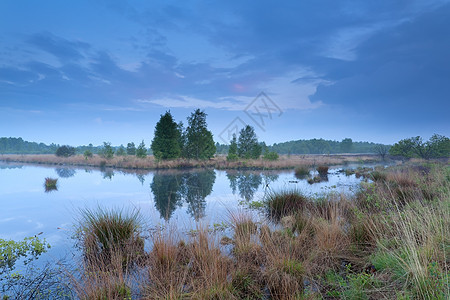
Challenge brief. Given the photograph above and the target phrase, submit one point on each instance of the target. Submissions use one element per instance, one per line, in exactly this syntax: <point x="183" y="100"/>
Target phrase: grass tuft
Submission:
<point x="284" y="203"/>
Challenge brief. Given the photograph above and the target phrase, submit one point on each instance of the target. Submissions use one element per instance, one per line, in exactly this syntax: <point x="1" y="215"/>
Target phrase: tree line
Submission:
<point x="438" y="146"/>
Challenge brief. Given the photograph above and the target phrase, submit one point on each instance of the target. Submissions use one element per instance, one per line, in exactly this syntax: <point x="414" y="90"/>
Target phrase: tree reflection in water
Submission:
<point x="65" y="172"/>
<point x="247" y="183"/>
<point x="170" y="189"/>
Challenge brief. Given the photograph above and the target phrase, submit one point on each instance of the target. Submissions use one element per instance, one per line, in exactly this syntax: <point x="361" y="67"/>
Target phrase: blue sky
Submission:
<point x="83" y="72"/>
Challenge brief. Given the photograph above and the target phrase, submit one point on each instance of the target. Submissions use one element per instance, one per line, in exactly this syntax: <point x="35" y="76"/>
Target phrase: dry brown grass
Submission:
<point x="218" y="162"/>
<point x="366" y="244"/>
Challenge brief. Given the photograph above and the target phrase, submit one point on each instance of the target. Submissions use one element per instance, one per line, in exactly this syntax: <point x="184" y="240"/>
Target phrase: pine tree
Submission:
<point x="248" y="146"/>
<point x="121" y="151"/>
<point x="232" y="150"/>
<point x="141" y="151"/>
<point x="166" y="143"/>
<point x="131" y="149"/>
<point x="199" y="140"/>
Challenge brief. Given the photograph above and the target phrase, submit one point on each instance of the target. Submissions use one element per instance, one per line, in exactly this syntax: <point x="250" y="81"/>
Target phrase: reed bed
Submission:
<point x="218" y="162"/>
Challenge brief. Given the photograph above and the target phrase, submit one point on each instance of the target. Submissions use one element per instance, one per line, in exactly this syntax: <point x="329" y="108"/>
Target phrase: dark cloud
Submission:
<point x="405" y="68"/>
<point x="61" y="48"/>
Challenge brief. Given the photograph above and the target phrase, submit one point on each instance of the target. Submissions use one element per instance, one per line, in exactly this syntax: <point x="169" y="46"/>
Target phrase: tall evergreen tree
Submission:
<point x="166" y="143"/>
<point x="248" y="146"/>
<point x="199" y="140"/>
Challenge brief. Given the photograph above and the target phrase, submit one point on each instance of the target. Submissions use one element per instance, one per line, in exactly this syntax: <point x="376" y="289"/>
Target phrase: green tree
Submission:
<point x="381" y="150"/>
<point x="346" y="145"/>
<point x="121" y="151"/>
<point x="402" y="148"/>
<point x="437" y="146"/>
<point x="233" y="149"/>
<point x="182" y="139"/>
<point x="440" y="146"/>
<point x="107" y="151"/>
<point x="166" y="143"/>
<point x="87" y="154"/>
<point x="65" y="151"/>
<point x="131" y="149"/>
<point x="270" y="155"/>
<point x="141" y="151"/>
<point x="248" y="146"/>
<point x="199" y="140"/>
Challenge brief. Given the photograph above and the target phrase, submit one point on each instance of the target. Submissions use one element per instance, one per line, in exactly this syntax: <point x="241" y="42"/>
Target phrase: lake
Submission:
<point x="183" y="198"/>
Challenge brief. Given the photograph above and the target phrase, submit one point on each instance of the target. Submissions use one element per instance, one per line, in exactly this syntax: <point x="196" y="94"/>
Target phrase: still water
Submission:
<point x="183" y="198"/>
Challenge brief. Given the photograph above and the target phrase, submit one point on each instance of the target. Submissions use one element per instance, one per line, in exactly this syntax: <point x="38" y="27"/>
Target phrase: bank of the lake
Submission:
<point x="219" y="162"/>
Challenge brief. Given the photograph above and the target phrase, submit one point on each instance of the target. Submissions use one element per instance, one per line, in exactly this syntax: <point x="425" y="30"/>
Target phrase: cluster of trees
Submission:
<point x="173" y="141"/>
<point x="436" y="147"/>
<point x="12" y="145"/>
<point x="108" y="151"/>
<point x="321" y="146"/>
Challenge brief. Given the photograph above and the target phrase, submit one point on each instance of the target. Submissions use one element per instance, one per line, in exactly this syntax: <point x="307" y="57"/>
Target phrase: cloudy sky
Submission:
<point x="88" y="71"/>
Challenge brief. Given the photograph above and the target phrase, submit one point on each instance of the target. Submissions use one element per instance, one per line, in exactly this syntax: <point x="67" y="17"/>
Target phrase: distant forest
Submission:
<point x="12" y="145"/>
<point x="315" y="146"/>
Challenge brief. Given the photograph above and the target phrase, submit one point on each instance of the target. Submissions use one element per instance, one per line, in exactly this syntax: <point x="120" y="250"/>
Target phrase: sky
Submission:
<point x="90" y="71"/>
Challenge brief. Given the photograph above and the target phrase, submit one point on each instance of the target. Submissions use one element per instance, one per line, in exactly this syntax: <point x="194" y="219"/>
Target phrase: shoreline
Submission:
<point x="218" y="162"/>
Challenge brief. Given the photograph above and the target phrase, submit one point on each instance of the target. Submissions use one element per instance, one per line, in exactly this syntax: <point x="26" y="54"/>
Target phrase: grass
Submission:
<point x="302" y="171"/>
<point x="104" y="232"/>
<point x="50" y="184"/>
<point x="218" y="162"/>
<point x="280" y="204"/>
<point x="378" y="244"/>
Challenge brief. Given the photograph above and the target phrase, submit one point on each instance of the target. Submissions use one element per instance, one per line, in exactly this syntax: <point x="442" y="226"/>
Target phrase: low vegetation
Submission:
<point x="50" y="184"/>
<point x="219" y="162"/>
<point x="390" y="241"/>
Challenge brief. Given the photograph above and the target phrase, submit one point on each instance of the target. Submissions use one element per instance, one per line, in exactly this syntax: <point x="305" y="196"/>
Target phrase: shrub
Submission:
<point x="65" y="151"/>
<point x="232" y="157"/>
<point x="88" y="154"/>
<point x="107" y="151"/>
<point x="141" y="151"/>
<point x="271" y="156"/>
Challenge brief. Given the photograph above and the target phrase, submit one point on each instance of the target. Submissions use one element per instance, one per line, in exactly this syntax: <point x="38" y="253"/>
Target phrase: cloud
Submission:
<point x="180" y="101"/>
<point x="61" y="48"/>
<point x="401" y="72"/>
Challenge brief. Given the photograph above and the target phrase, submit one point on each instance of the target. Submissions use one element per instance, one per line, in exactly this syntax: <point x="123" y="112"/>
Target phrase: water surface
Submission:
<point x="183" y="198"/>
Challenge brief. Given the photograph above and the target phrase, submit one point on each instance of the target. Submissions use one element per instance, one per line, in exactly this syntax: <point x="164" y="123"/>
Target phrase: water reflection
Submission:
<point x="171" y="189"/>
<point x="197" y="186"/>
<point x="247" y="183"/>
<point x="65" y="172"/>
<point x="141" y="178"/>
<point x="108" y="173"/>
